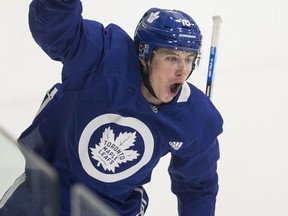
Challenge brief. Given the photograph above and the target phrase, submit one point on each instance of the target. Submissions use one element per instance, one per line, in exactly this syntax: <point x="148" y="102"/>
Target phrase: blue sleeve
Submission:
<point x="54" y="24"/>
<point x="195" y="182"/>
<point x="59" y="29"/>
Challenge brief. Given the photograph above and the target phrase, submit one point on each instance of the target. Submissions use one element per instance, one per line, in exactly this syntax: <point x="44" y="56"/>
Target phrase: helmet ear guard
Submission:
<point x="143" y="51"/>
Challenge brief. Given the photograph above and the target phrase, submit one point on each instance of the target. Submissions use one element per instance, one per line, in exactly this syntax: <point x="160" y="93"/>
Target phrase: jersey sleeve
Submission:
<point x="54" y="24"/>
<point x="195" y="182"/>
<point x="60" y="30"/>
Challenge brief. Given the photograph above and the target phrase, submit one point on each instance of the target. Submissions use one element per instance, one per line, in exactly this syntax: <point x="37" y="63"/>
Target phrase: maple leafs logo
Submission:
<point x="111" y="152"/>
<point x="153" y="17"/>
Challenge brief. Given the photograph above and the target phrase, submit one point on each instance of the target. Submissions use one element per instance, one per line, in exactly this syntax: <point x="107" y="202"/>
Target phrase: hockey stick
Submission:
<point x="213" y="50"/>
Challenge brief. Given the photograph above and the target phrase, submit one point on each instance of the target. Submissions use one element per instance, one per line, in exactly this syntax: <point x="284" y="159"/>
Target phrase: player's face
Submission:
<point x="168" y="71"/>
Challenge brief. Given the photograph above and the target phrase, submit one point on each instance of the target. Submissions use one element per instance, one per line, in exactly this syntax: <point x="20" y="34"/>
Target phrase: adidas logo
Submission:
<point x="176" y="145"/>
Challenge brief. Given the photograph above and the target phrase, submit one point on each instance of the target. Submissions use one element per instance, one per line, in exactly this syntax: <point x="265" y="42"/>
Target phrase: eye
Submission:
<point x="189" y="60"/>
<point x="172" y="58"/>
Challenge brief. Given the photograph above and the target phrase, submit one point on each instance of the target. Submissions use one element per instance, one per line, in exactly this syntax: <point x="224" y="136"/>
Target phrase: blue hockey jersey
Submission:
<point x="96" y="128"/>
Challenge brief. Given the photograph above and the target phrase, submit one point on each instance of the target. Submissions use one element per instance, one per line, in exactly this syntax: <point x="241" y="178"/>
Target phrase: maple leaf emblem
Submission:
<point x="111" y="152"/>
<point x="153" y="17"/>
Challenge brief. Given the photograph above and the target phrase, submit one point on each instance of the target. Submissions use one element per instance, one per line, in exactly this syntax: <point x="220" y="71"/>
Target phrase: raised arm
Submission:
<point x="59" y="29"/>
<point x="54" y="25"/>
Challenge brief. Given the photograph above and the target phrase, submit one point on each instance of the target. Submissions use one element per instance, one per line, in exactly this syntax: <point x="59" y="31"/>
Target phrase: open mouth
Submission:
<point x="175" y="87"/>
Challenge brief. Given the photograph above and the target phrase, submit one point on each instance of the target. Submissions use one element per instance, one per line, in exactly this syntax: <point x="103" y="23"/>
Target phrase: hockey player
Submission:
<point x="122" y="105"/>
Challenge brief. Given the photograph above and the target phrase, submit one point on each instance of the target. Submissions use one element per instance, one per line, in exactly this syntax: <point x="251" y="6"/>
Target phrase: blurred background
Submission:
<point x="250" y="91"/>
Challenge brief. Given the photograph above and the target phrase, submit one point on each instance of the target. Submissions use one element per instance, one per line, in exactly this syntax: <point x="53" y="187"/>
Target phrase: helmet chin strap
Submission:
<point x="195" y="62"/>
<point x="146" y="81"/>
<point x="193" y="67"/>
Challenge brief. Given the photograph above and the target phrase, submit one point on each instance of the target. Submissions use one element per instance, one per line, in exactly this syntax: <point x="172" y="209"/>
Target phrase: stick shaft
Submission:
<point x="212" y="58"/>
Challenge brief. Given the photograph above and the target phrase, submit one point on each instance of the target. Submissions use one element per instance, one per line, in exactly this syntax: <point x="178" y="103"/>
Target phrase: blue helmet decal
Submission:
<point x="168" y="29"/>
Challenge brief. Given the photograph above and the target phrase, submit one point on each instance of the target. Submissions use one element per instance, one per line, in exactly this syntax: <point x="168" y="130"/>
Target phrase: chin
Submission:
<point x="167" y="100"/>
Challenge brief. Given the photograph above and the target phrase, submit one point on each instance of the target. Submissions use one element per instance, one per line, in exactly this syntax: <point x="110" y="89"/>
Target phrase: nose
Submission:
<point x="178" y="73"/>
<point x="181" y="66"/>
